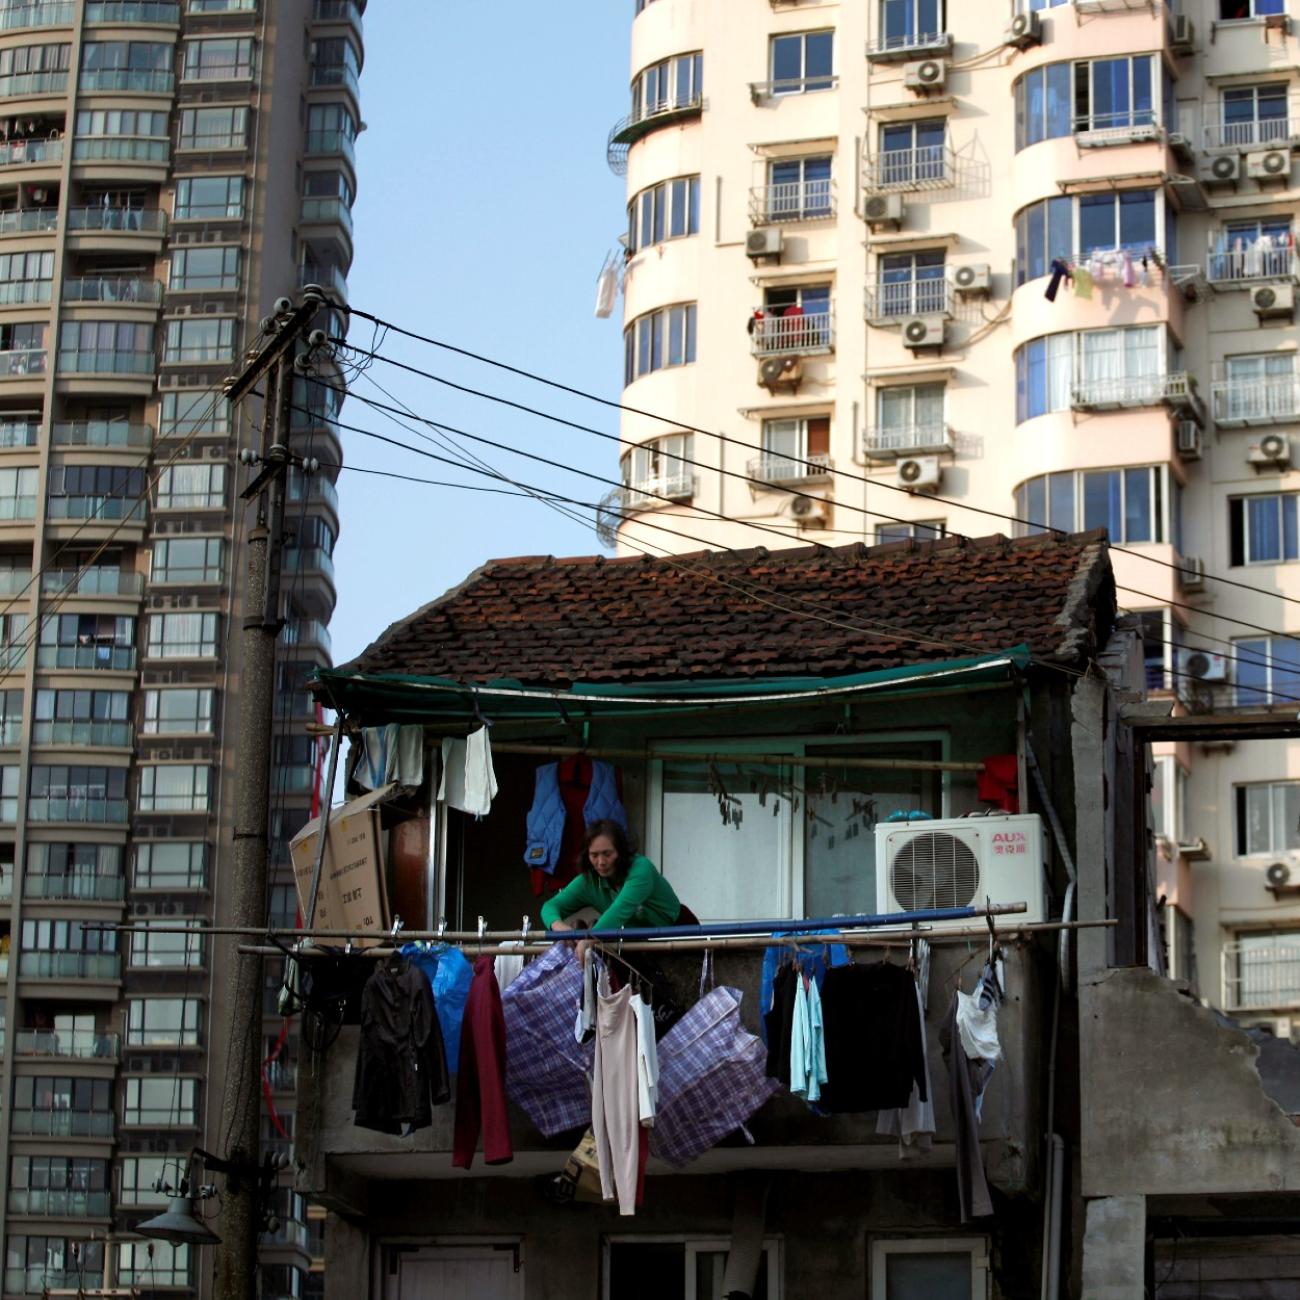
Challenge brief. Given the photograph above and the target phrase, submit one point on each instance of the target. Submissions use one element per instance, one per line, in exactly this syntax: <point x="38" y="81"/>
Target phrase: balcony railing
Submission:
<point x="101" y="433"/>
<point x="84" y="888"/>
<point x="791" y="201"/>
<point x="307" y="632"/>
<point x="1281" y="132"/>
<point x="22" y="84"/>
<point x="91" y="582"/>
<point x="1246" y="265"/>
<point x="17" y="362"/>
<point x="34" y="1279"/>
<point x="96" y="735"/>
<point x="97" y="508"/>
<point x="208" y="141"/>
<point x="335" y="11"/>
<point x="319" y="490"/>
<point x="771" y="468"/>
<point x="311" y="559"/>
<point x="908" y="45"/>
<point x="70" y="965"/>
<point x="110" y="812"/>
<point x="330" y="142"/>
<point x="649" y="117"/>
<point x="221" y="7"/>
<point x="648" y="492"/>
<point x="59" y="1202"/>
<point x="1256" y="401"/>
<point x="100" y="362"/>
<point x="15" y="292"/>
<point x="1261" y="976"/>
<point x="128" y="81"/>
<point x="1128" y="127"/>
<point x="188" y="574"/>
<point x="326" y="212"/>
<point x="161" y="12"/>
<point x="14" y="582"/>
<point x="330" y="278"/>
<point x="63" y="1123"/>
<point x="888" y="302"/>
<point x="17" y="508"/>
<point x="1115" y="392"/>
<point x="14" y="153"/>
<point x="86" y="658"/>
<point x="95" y="288"/>
<point x="931" y="167"/>
<point x="335" y="74"/>
<point x="38" y="15"/>
<point x="908" y="439"/>
<point x="29" y="221"/>
<point x="801" y="334"/>
<point x="120" y="148"/>
<point x="99" y="217"/>
<point x="19" y="433"/>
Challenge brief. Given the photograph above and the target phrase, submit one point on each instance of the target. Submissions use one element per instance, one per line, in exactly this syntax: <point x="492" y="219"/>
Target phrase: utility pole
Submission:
<point x="238" y="1139"/>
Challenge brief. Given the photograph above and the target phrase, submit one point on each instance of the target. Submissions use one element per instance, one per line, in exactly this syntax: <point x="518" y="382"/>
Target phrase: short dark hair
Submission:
<point x="622" y="846"/>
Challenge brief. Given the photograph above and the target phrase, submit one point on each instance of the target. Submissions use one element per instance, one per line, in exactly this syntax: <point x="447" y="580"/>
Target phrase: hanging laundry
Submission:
<point x="807" y="1042"/>
<point x="1128" y="275"/>
<point x="874" y="1039"/>
<point x="913" y="1124"/>
<point x="469" y="782"/>
<point x="977" y="1023"/>
<point x="812" y="960"/>
<point x="1059" y="272"/>
<point x="391" y="753"/>
<point x="481" y="1083"/>
<point x="1082" y="282"/>
<point x="401" y="1071"/>
<point x="615" y="1106"/>
<point x="999" y="782"/>
<point x="449" y="976"/>
<point x="966" y="1079"/>
<point x="647" y="1053"/>
<point x="567" y="797"/>
<point x="584" y="1027"/>
<point x="778" y="1024"/>
<point x="606" y="292"/>
<point x="509" y="966"/>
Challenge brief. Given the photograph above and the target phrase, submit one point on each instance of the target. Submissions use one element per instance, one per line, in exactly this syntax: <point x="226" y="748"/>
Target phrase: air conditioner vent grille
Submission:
<point x="934" y="870"/>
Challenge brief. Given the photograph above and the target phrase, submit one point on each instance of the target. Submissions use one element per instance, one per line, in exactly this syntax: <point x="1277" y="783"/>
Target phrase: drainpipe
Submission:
<point x="746" y="1251"/>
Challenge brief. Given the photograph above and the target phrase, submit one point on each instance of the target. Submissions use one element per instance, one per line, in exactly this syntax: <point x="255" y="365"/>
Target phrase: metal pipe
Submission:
<point x="322" y="834"/>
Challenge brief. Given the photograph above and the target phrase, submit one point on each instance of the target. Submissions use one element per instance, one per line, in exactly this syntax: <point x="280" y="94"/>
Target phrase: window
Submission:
<point x="205" y="268"/>
<point x="917" y="532"/>
<point x="672" y="1268"/>
<point x="1254" y="249"/>
<point x="1128" y="503"/>
<point x="1070" y="228"/>
<point x="191" y="487"/>
<point x="1255" y="114"/>
<point x="153" y="949"/>
<point x="106" y="347"/>
<point x="173" y="787"/>
<point x="187" y="559"/>
<point x="1262" y="529"/>
<point x="62" y="793"/>
<point x="76" y="870"/>
<point x="1114" y="94"/>
<point x="126" y="65"/>
<point x="137" y="1176"/>
<point x="25" y="277"/>
<point x="795" y="448"/>
<point x="199" y="340"/>
<point x="171" y="864"/>
<point x="96" y="492"/>
<point x="794" y="318"/>
<point x="120" y="135"/>
<point x="1267" y="670"/>
<point x="910" y="284"/>
<point x="34" y="69"/>
<point x="908" y="23"/>
<point x="1032" y="6"/>
<point x="925" y="1268"/>
<point x="178" y="712"/>
<point x="328" y="185"/>
<point x="209" y="198"/>
<point x="18" y="493"/>
<point x="798" y="189"/>
<point x="182" y="636"/>
<point x="87" y="641"/>
<point x="910" y="417"/>
<point x="66" y="936"/>
<point x="1232" y="10"/>
<point x="1043" y="105"/>
<point x="82" y="717"/>
<point x="912" y="154"/>
<point x="1054" y="372"/>
<point x="667" y="211"/>
<point x="9" y="778"/>
<point x="802" y="62"/>
<point x="22" y="349"/>
<point x="73" y="1187"/>
<point x="160" y="1103"/>
<point x="1260" y="386"/>
<point x="197" y="410"/>
<point x="676" y="83"/>
<point x="331" y="128"/>
<point x="1180" y="946"/>
<point x="153" y="1263"/>
<point x="659" y="468"/>
<point x="219" y="59"/>
<point x="11" y="717"/>
<point x="658" y="339"/>
<point x="163" y="1022"/>
<point x="213" y="128"/>
<point x="1169" y="799"/>
<point x="34" y="1263"/>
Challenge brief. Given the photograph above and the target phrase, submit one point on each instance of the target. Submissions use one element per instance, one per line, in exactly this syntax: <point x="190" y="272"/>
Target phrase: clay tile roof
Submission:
<point x="816" y="611"/>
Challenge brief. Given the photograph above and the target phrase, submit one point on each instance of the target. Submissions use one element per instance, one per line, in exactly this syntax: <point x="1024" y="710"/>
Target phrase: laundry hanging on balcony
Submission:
<point x="567" y="797"/>
<point x="913" y="1124"/>
<point x="608" y="284"/>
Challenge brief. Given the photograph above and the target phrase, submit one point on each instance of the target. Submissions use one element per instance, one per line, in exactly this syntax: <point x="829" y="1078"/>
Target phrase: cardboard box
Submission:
<point x="352" y="894"/>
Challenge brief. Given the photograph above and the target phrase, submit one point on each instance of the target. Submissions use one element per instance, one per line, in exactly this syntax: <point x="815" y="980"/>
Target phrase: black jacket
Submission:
<point x="401" y="1066"/>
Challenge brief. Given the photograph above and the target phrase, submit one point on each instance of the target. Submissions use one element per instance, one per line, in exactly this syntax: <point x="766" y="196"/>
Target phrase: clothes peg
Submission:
<point x="527" y="925"/>
<point x="478" y="713"/>
<point x="397" y="925"/>
<point x="993" y="930"/>
<point x="482" y="929"/>
<point x="442" y="927"/>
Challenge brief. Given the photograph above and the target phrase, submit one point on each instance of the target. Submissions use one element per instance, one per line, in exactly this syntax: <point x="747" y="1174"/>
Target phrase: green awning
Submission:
<point x="373" y="699"/>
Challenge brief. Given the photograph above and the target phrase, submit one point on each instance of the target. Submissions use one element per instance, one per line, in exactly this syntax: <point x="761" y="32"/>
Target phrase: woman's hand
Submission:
<point x="561" y="925"/>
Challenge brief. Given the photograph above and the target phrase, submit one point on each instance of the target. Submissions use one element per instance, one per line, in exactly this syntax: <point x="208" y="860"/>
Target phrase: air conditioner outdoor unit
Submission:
<point x="883" y="210"/>
<point x="1191" y="576"/>
<point x="780" y="372"/>
<point x="923" y="332"/>
<point x="1182" y="34"/>
<point x="1203" y="666"/>
<point x="765" y="242"/>
<point x="970" y="280"/>
<point x="1023" y="31"/>
<point x="926" y="74"/>
<point x="1222" y="169"/>
<point x="811" y="512"/>
<point x="1189" y="440"/>
<point x="1269" y="164"/>
<point x="960" y="862"/>
<point x="1271" y="449"/>
<point x="917" y="472"/>
<point x="1273" y="300"/>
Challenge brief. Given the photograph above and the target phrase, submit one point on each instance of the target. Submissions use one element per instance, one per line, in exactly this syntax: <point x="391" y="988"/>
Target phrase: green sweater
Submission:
<point x="645" y="898"/>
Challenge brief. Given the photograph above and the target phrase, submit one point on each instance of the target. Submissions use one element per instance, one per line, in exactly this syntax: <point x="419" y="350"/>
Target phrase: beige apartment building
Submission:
<point x="167" y="171"/>
<point x="917" y="261"/>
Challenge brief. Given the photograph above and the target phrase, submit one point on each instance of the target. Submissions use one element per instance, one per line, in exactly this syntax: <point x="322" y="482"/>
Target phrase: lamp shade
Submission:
<point x="179" y="1225"/>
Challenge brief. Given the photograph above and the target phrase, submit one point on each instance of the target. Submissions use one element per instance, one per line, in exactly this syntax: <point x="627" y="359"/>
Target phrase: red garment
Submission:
<point x="999" y="782"/>
<point x="574" y="777"/>
<point x="481" y="1083"/>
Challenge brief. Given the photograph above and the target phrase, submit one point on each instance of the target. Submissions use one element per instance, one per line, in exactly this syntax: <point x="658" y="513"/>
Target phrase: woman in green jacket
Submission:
<point x="625" y="888"/>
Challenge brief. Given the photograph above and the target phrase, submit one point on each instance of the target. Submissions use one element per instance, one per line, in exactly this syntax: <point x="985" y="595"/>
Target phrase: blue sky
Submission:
<point x="484" y="211"/>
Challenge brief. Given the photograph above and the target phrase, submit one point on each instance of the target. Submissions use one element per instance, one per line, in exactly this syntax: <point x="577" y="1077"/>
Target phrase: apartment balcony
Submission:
<point x="102" y="966"/>
<point x="892" y="302"/>
<point x="329" y="278"/>
<point x="40" y="1280"/>
<point x="101" y="433"/>
<point x="320" y="491"/>
<point x="72" y="887"/>
<point x="1266" y="133"/>
<point x="329" y="75"/>
<point x="63" y="1124"/>
<point x="22" y="363"/>
<point x="59" y="1203"/>
<point x="84" y="735"/>
<point x="151" y="149"/>
<point x="96" y="509"/>
<point x="1176" y="390"/>
<point x="309" y="561"/>
<point x="647" y="493"/>
<point x="15" y="582"/>
<point x="67" y="1045"/>
<point x="86" y="658"/>
<point x="19" y="433"/>
<point x="338" y="11"/>
<point x="104" y="362"/>
<point x="104" y="812"/>
<point x="221" y="7"/>
<point x="326" y="144"/>
<point x="791" y="202"/>
<point x="17" y="509"/>
<point x="1239" y="403"/>
<point x="771" y="468"/>
<point x="113" y="289"/>
<point x="903" y="46"/>
<point x="111" y="219"/>
<point x="157" y="13"/>
<point x="15" y="293"/>
<point x="1104" y="130"/>
<point x="326" y="212"/>
<point x="28" y="85"/>
<point x="38" y="15"/>
<point x="931" y="167"/>
<point x="92" y="582"/>
<point x="126" y="81"/>
<point x="1261" y="976"/>
<point x="908" y="440"/>
<point x="29" y="221"/>
<point x="20" y="153"/>
<point x="1247" y="267"/>
<point x="799" y="335"/>
<point x="650" y="117"/>
<point x="308" y="632"/>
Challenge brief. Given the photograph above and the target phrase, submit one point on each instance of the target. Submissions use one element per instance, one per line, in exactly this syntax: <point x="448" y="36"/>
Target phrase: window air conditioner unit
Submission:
<point x="811" y="512"/>
<point x="960" y="862"/>
<point x="1182" y="34"/>
<point x="917" y="472"/>
<point x="764" y="243"/>
<point x="882" y="210"/>
<point x="925" y="74"/>
<point x="970" y="280"/>
<point x="1271" y="449"/>
<point x="1273" y="300"/>
<point x="1222" y="169"/>
<point x="1023" y="31"/>
<point x="780" y="372"/>
<point x="1192" y="575"/>
<point x="1269" y="164"/>
<point x="924" y="332"/>
<point x="1189" y="440"/>
<point x="1203" y="666"/>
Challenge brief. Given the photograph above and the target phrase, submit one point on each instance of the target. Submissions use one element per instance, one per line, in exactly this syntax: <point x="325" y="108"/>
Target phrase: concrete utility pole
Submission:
<point x="238" y="1138"/>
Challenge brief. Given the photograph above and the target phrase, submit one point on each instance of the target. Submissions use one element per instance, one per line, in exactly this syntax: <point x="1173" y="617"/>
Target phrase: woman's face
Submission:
<point x="603" y="856"/>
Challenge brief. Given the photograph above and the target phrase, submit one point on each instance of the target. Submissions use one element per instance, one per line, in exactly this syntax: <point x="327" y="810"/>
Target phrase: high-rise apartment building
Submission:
<point x="167" y="170"/>
<point x="919" y="260"/>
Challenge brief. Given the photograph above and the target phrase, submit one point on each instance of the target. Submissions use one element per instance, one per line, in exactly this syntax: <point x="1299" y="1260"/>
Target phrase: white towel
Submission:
<point x="468" y="781"/>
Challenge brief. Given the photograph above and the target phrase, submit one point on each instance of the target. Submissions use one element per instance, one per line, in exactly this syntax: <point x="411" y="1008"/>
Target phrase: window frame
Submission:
<point x="655" y="207"/>
<point x="695" y="1245"/>
<point x="1245" y="652"/>
<point x="155" y="647"/>
<point x="649" y="339"/>
<point x="881" y="1248"/>
<point x="198" y="799"/>
<point x="805" y="83"/>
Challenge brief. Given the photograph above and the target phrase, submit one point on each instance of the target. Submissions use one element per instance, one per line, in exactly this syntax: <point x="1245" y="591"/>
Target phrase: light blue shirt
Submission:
<point x="807" y="1043"/>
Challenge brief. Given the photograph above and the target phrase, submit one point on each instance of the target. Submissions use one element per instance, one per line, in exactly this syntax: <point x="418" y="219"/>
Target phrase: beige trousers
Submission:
<point x="615" y="1112"/>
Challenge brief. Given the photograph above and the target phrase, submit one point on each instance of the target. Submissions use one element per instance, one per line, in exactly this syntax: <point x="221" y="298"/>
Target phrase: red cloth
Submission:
<point x="481" y="1082"/>
<point x="999" y="782"/>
